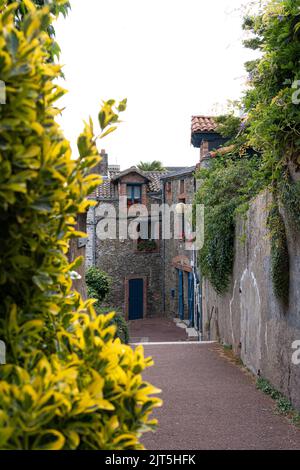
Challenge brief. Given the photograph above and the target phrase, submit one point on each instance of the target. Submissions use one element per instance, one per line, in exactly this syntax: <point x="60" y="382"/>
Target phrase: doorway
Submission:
<point x="136" y="299"/>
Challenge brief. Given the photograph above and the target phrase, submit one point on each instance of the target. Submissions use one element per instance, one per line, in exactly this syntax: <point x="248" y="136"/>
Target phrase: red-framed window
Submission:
<point x="134" y="194"/>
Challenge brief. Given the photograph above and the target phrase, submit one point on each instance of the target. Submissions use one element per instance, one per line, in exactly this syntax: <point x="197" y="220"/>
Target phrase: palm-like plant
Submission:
<point x="156" y="165"/>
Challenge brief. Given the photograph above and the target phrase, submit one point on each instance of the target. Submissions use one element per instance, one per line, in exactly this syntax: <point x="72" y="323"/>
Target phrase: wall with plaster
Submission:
<point x="249" y="317"/>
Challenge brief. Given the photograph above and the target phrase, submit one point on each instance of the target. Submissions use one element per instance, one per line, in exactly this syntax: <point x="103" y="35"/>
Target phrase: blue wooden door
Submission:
<point x="191" y="299"/>
<point x="136" y="299"/>
<point x="180" y="295"/>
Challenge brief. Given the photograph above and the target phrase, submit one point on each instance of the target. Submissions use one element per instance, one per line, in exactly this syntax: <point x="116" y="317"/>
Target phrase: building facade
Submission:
<point x="178" y="190"/>
<point x="135" y="265"/>
<point x="152" y="275"/>
<point x="145" y="271"/>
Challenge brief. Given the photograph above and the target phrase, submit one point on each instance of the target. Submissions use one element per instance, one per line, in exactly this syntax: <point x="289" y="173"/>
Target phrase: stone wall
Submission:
<point x="250" y="318"/>
<point x="174" y="252"/>
<point x="121" y="259"/>
<point x="77" y="249"/>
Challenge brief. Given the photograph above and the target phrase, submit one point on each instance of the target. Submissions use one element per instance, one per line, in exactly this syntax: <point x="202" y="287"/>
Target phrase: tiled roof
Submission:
<point x="103" y="191"/>
<point x="132" y="169"/>
<point x="175" y="168"/>
<point x="181" y="172"/>
<point x="106" y="189"/>
<point x="203" y="124"/>
<point x="154" y="177"/>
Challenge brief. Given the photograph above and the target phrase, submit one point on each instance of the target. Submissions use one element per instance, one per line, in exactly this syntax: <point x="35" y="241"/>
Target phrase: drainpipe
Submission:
<point x="200" y="306"/>
<point x="198" y="292"/>
<point x="163" y="249"/>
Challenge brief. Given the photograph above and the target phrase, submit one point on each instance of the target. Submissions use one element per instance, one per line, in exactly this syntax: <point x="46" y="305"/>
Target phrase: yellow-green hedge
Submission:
<point x="68" y="384"/>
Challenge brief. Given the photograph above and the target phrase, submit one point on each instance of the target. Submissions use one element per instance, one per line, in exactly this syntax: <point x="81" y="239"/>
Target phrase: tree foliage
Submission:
<point x="225" y="187"/>
<point x="67" y="384"/>
<point x="270" y="134"/>
<point x="56" y="7"/>
<point x="280" y="255"/>
<point x="272" y="100"/>
<point x="98" y="283"/>
<point x="155" y="165"/>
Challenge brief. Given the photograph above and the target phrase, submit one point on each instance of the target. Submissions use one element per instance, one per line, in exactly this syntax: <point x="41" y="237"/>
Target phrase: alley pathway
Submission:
<point x="210" y="402"/>
<point x="157" y="330"/>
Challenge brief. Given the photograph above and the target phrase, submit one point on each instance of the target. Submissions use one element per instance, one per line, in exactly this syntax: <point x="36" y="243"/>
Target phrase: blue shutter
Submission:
<point x="191" y="299"/>
<point x="180" y="295"/>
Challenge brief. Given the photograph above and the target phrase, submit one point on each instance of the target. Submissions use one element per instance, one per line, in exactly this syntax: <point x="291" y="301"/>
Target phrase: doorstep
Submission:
<point x="192" y="334"/>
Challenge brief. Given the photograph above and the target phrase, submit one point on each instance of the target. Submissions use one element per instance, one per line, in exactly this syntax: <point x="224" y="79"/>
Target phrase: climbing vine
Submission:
<point x="269" y="134"/>
<point x="273" y="97"/>
<point x="279" y="254"/>
<point x="289" y="194"/>
<point x="225" y="189"/>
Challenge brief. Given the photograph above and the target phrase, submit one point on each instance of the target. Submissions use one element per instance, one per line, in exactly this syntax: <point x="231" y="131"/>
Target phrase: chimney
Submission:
<point x="204" y="149"/>
<point x="102" y="167"/>
<point x="104" y="163"/>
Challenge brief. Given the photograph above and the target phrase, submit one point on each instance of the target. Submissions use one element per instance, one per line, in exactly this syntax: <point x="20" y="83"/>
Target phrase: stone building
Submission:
<point x="151" y="275"/>
<point x="178" y="188"/>
<point x="144" y="270"/>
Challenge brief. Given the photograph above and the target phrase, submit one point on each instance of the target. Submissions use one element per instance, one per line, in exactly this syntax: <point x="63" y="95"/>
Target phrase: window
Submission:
<point x="134" y="194"/>
<point x="145" y="242"/>
<point x="182" y="187"/>
<point x="168" y="193"/>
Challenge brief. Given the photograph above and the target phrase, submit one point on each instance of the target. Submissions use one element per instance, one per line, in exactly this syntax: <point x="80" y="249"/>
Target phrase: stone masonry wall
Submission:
<point x="77" y="249"/>
<point x="120" y="259"/>
<point x="249" y="317"/>
<point x="175" y="249"/>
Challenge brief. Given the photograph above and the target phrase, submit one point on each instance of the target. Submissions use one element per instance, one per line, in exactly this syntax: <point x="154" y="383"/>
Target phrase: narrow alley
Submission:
<point x="209" y="401"/>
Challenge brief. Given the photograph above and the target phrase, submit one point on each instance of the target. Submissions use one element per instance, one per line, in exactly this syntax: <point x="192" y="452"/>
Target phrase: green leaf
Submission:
<point x="108" y="131"/>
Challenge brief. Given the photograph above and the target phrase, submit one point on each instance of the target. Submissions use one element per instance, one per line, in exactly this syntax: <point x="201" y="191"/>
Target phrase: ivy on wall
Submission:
<point x="279" y="254"/>
<point x="225" y="189"/>
<point x="271" y="129"/>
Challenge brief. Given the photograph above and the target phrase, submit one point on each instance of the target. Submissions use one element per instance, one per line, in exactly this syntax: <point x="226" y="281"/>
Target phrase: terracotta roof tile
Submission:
<point x="203" y="124"/>
<point x="106" y="189"/>
<point x="154" y="176"/>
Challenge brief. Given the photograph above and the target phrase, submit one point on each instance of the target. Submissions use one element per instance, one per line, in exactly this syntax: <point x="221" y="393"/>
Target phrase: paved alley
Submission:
<point x="209" y="402"/>
<point x="155" y="330"/>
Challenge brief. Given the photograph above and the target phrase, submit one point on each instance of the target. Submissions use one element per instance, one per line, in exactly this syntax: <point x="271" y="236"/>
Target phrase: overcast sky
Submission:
<point x="170" y="58"/>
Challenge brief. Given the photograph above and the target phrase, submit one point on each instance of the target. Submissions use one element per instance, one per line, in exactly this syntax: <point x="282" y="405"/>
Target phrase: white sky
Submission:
<point x="170" y="58"/>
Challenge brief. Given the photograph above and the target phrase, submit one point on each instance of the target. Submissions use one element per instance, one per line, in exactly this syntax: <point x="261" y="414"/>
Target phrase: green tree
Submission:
<point x="56" y="7"/>
<point x="98" y="283"/>
<point x="68" y="383"/>
<point x="271" y="100"/>
<point x="151" y="166"/>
